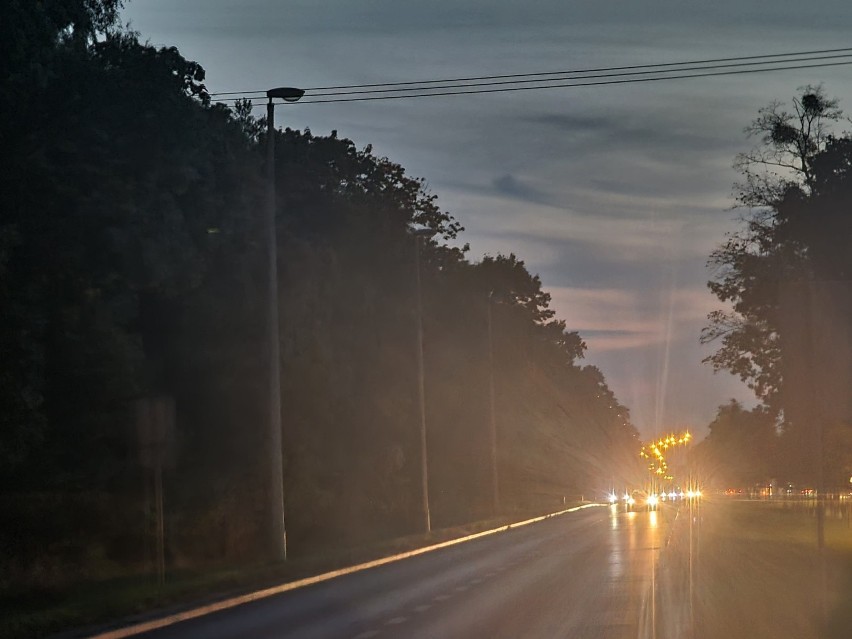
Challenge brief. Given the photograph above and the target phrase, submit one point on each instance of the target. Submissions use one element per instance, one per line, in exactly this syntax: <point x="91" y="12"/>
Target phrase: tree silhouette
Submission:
<point x="787" y="276"/>
<point x="132" y="264"/>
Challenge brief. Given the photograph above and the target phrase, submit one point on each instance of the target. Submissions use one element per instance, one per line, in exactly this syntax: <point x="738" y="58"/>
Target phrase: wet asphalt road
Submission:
<point x="587" y="574"/>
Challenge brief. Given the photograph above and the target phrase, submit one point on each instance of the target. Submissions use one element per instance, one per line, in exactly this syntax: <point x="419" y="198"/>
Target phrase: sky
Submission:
<point x="614" y="195"/>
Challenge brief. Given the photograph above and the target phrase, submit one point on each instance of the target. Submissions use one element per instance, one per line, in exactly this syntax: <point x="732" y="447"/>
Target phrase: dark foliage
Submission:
<point x="132" y="264"/>
<point x="786" y="275"/>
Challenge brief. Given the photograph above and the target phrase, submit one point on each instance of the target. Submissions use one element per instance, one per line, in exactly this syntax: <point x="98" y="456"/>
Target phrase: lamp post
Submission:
<point x="492" y="414"/>
<point x="419" y="234"/>
<point x="275" y="491"/>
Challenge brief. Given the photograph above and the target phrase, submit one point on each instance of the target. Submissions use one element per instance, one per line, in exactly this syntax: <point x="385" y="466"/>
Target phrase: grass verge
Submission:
<point x="760" y="574"/>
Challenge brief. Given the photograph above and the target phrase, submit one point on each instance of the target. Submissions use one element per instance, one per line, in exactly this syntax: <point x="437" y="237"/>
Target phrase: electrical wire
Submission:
<point x="475" y="91"/>
<point x="416" y="84"/>
<point x="705" y="71"/>
<point x="575" y="84"/>
<point x="564" y="79"/>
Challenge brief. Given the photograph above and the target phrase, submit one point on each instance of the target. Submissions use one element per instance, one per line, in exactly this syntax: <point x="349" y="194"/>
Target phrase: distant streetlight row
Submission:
<point x="655" y="452"/>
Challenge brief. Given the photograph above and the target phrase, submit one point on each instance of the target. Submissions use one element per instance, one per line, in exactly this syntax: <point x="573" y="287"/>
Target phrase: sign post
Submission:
<point x="155" y="427"/>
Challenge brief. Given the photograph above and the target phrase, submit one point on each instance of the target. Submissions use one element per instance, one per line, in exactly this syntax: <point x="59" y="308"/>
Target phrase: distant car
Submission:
<point x="641" y="500"/>
<point x="652" y="501"/>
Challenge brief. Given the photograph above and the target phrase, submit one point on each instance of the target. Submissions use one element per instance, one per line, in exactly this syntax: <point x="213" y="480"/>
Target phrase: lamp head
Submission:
<point x="288" y="94"/>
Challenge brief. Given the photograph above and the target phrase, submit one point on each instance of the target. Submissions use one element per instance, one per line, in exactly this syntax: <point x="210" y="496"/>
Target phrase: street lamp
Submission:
<point x="419" y="234"/>
<point x="277" y="530"/>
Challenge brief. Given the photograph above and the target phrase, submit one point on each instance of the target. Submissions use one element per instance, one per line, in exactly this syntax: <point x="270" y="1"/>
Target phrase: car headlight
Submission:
<point x="652" y="500"/>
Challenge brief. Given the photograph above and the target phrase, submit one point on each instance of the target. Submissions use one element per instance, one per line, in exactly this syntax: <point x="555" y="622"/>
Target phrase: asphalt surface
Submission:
<point x="586" y="574"/>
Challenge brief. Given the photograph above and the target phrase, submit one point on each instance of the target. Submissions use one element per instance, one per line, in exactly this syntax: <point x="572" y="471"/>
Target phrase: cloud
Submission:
<point x="623" y="319"/>
<point x="623" y="230"/>
<point x="608" y="319"/>
<point x="512" y="187"/>
<point x="625" y="129"/>
<point x="576" y="123"/>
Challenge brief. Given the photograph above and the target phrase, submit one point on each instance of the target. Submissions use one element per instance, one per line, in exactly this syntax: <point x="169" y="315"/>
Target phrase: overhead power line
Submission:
<point x="768" y="57"/>
<point x="573" y="76"/>
<point x="600" y="76"/>
<point x="575" y="84"/>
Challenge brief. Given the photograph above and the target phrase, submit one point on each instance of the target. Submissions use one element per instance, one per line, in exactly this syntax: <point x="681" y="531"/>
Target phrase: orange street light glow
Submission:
<point x="659" y="465"/>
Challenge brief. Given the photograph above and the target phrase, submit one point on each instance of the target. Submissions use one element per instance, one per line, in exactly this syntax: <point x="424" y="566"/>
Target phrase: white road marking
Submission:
<point x="367" y="634"/>
<point x="396" y="621"/>
<point x="440" y="597"/>
<point x="474" y="582"/>
<point x="422" y="608"/>
<point x="460" y="588"/>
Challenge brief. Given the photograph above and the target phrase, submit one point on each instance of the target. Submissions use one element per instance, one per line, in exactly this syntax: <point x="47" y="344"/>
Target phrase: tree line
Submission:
<point x="132" y="265"/>
<point x="786" y="276"/>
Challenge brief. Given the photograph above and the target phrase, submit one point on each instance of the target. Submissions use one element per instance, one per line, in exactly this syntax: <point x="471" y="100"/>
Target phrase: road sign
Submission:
<point x="155" y="429"/>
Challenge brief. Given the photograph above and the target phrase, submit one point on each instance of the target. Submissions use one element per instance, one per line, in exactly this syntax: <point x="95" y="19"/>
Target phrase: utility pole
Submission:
<point x="419" y="234"/>
<point x="492" y="413"/>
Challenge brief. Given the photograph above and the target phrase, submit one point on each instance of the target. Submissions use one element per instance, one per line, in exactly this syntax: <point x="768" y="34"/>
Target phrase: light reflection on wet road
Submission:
<point x="586" y="574"/>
